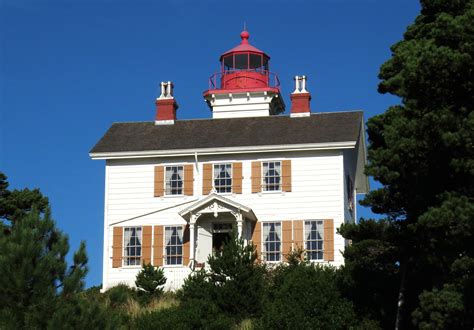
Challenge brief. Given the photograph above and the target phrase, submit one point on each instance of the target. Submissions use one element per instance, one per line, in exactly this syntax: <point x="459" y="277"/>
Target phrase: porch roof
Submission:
<point x="215" y="203"/>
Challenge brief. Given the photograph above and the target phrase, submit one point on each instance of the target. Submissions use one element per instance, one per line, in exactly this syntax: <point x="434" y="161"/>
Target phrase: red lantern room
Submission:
<point x="244" y="70"/>
<point x="243" y="67"/>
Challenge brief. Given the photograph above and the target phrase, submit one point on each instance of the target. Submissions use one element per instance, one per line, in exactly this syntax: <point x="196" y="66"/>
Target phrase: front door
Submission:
<point x="221" y="233"/>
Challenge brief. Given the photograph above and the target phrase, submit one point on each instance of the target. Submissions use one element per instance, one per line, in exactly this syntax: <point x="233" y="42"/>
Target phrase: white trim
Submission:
<point x="300" y="114"/>
<point x="223" y="150"/>
<point x="164" y="122"/>
<point x="107" y="250"/>
<point x="214" y="196"/>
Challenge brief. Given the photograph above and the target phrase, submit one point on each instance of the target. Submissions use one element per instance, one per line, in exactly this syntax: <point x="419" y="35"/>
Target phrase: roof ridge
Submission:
<point x="271" y="116"/>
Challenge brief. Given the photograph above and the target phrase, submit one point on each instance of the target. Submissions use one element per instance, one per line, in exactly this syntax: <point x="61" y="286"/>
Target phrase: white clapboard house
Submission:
<point x="175" y="189"/>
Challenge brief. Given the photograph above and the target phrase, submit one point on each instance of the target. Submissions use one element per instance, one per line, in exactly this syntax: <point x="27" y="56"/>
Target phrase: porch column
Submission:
<point x="191" y="239"/>
<point x="239" y="224"/>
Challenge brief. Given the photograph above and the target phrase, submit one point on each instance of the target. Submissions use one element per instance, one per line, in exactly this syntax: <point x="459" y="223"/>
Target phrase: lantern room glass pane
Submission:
<point x="228" y="62"/>
<point x="255" y="62"/>
<point x="241" y="61"/>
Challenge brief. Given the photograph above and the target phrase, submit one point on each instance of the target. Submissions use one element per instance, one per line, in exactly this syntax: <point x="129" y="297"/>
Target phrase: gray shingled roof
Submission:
<point x="235" y="132"/>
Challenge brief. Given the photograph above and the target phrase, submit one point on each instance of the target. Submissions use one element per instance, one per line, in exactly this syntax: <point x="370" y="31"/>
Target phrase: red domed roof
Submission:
<point x="244" y="46"/>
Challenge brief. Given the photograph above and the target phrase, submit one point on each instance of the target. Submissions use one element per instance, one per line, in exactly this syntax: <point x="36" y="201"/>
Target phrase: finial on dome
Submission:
<point x="245" y="37"/>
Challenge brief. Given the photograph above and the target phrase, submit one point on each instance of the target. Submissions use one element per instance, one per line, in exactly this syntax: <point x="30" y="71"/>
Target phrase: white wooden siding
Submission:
<point x="317" y="193"/>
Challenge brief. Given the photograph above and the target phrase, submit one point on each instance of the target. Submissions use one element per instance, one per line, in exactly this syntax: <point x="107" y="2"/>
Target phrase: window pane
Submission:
<point x="174" y="180"/>
<point x="314" y="239"/>
<point x="132" y="246"/>
<point x="228" y="62"/>
<point x="255" y="61"/>
<point x="241" y="61"/>
<point x="223" y="178"/>
<point x="271" y="172"/>
<point x="272" y="243"/>
<point x="174" y="245"/>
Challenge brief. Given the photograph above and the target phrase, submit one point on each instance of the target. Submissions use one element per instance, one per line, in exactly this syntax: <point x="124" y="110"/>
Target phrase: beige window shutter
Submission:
<point x="286" y="175"/>
<point x="188" y="180"/>
<point x="256" y="177"/>
<point x="117" y="247"/>
<point x="328" y="242"/>
<point x="159" y="181"/>
<point x="186" y="245"/>
<point x="206" y="179"/>
<point x="158" y="246"/>
<point x="298" y="234"/>
<point x="237" y="178"/>
<point x="146" y="244"/>
<point x="257" y="237"/>
<point x="286" y="233"/>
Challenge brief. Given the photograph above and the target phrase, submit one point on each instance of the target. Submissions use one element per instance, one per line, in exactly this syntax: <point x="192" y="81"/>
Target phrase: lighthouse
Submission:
<point x="176" y="189"/>
<point x="244" y="85"/>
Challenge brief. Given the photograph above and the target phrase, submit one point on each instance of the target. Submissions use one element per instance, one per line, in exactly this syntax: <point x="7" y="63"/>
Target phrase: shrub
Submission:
<point x="120" y="294"/>
<point x="196" y="314"/>
<point x="306" y="296"/>
<point x="234" y="283"/>
<point x="83" y="312"/>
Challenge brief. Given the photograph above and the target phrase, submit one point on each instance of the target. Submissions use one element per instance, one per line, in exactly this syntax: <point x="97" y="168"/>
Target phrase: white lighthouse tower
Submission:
<point x="244" y="87"/>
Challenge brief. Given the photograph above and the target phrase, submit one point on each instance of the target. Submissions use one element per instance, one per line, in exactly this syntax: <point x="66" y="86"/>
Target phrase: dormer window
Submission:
<point x="174" y="180"/>
<point x="223" y="178"/>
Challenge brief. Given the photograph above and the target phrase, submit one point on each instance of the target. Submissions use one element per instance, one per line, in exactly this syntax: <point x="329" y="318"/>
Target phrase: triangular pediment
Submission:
<point x="215" y="204"/>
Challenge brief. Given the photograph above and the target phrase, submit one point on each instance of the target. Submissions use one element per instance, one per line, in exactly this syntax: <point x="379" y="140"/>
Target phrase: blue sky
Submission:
<point x="71" y="68"/>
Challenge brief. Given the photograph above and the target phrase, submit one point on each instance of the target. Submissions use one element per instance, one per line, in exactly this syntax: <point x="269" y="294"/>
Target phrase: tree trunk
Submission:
<point x="401" y="295"/>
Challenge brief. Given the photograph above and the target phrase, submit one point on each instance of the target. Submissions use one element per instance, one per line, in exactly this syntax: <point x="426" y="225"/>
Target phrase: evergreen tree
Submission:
<point x="34" y="276"/>
<point x="234" y="282"/>
<point x="150" y="280"/>
<point x="422" y="153"/>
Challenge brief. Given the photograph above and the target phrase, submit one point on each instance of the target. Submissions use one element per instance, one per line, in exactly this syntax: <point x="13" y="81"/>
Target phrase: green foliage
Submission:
<point x="440" y="309"/>
<point x="150" y="280"/>
<point x="82" y="312"/>
<point x="34" y="274"/>
<point x="421" y="152"/>
<point x="370" y="276"/>
<point x="120" y="294"/>
<point x="233" y="272"/>
<point x="305" y="296"/>
<point x="16" y="204"/>
<point x="192" y="316"/>
<point x="297" y="256"/>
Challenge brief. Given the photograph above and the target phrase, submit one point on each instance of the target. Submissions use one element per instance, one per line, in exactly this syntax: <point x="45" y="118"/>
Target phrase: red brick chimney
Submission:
<point x="166" y="105"/>
<point x="300" y="99"/>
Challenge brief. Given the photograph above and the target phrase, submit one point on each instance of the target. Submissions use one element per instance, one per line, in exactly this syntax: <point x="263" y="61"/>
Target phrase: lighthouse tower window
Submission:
<point x="241" y="61"/>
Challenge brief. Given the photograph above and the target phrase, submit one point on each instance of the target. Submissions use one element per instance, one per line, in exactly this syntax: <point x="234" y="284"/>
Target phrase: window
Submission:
<point x="223" y="178"/>
<point x="272" y="241"/>
<point x="241" y="61"/>
<point x="174" y="245"/>
<point x="314" y="239"/>
<point x="132" y="246"/>
<point x="174" y="180"/>
<point x="271" y="176"/>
